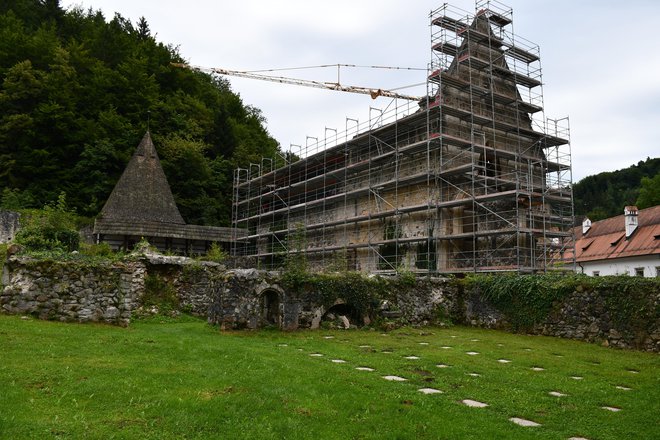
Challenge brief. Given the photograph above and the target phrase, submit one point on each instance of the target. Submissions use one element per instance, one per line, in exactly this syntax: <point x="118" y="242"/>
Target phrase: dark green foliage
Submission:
<point x="604" y="195"/>
<point x="52" y="229"/>
<point x="159" y="293"/>
<point x="649" y="193"/>
<point x="76" y="92"/>
<point x="526" y="299"/>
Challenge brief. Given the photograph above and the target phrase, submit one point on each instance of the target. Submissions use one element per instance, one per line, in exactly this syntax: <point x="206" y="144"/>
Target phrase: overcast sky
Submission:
<point x="600" y="61"/>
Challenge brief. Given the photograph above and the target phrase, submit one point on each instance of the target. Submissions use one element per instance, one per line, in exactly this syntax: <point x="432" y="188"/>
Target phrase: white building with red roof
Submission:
<point x="625" y="244"/>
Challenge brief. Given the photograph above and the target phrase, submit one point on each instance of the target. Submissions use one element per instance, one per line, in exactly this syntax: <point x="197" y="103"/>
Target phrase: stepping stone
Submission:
<point x="412" y="357"/>
<point x="446" y="347"/>
<point x="453" y="336"/>
<point x="619" y="387"/>
<point x="504" y="361"/>
<point x="611" y="408"/>
<point x="282" y="345"/>
<point x="442" y="366"/>
<point x="559" y="355"/>
<point x="316" y="355"/>
<point x="472" y="353"/>
<point x="500" y="345"/>
<point x="429" y="391"/>
<point x="529" y="349"/>
<point x="473" y="403"/>
<point x="395" y="378"/>
<point x="557" y="394"/>
<point x="577" y="377"/>
<point x="328" y="337"/>
<point x="474" y="374"/>
<point x="364" y="346"/>
<point x="537" y="369"/>
<point x="423" y="343"/>
<point x="523" y="422"/>
<point x="474" y="340"/>
<point x="578" y="438"/>
<point x="300" y="349"/>
<point x="633" y="371"/>
<point x="338" y="361"/>
<point x="364" y="369"/>
<point x="386" y="351"/>
<point x="384" y="334"/>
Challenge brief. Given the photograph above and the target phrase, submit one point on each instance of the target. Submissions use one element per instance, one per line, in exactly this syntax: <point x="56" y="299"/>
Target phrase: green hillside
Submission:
<point x="605" y="194"/>
<point x="77" y="91"/>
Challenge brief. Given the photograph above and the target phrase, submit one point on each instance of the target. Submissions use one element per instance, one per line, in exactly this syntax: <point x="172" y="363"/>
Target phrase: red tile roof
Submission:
<point x="607" y="238"/>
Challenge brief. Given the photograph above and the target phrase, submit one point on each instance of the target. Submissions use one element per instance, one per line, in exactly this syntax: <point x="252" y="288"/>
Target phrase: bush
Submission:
<point x="52" y="228"/>
<point x="215" y="254"/>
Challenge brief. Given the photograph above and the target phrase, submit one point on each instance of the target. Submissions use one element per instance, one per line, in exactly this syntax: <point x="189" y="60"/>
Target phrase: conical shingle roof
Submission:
<point x="142" y="193"/>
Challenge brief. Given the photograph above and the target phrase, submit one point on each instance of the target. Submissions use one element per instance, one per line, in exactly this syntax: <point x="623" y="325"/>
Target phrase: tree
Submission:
<point x="649" y="193"/>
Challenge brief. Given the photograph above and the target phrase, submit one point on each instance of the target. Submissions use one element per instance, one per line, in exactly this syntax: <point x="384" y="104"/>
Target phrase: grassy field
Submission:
<point x="187" y="380"/>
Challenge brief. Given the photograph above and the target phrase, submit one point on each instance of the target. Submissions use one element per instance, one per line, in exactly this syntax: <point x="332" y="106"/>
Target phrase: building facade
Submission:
<point x="627" y="244"/>
<point x="472" y="178"/>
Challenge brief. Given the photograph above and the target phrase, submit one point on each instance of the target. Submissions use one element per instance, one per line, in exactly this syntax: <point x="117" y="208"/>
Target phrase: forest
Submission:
<point x="604" y="195"/>
<point x="78" y="90"/>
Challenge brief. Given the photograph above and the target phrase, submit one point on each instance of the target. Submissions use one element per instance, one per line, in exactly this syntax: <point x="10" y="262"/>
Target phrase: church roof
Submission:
<point x="142" y="193"/>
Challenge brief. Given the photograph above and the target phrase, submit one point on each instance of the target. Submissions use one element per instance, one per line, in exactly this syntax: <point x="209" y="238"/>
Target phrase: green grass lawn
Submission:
<point x="188" y="380"/>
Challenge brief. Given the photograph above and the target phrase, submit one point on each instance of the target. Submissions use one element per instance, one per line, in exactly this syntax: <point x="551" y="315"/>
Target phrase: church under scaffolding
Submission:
<point x="473" y="178"/>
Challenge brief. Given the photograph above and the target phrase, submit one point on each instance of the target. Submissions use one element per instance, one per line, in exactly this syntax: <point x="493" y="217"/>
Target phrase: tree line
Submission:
<point x="77" y="92"/>
<point x="605" y="194"/>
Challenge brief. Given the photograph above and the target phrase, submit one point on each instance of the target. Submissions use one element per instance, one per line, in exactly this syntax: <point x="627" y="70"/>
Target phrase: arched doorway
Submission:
<point x="343" y="316"/>
<point x="270" y="307"/>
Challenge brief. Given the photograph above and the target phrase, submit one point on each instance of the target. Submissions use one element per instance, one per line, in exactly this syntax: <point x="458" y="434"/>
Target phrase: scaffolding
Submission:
<point x="472" y="178"/>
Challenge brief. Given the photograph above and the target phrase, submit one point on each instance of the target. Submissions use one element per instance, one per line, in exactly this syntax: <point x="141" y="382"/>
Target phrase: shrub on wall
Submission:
<point x="527" y="300"/>
<point x="52" y="228"/>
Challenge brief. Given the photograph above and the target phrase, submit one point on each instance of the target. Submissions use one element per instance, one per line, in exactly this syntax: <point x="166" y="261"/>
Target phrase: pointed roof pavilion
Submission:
<point x="142" y="205"/>
<point x="142" y="192"/>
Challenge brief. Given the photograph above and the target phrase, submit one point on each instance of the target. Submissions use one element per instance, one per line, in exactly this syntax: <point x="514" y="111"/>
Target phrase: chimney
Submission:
<point x="630" y="215"/>
<point x="586" y="225"/>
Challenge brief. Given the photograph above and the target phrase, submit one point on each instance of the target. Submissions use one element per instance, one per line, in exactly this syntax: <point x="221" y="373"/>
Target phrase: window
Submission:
<point x="639" y="271"/>
<point x="596" y="273"/>
<point x="657" y="271"/>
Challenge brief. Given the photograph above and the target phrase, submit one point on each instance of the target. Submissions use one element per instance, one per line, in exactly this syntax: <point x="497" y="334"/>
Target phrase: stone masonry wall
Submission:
<point x="8" y="225"/>
<point x="247" y="298"/>
<point x="68" y="291"/>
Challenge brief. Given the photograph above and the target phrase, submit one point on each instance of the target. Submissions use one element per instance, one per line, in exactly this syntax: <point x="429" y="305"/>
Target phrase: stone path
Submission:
<point x="469" y="402"/>
<point x="395" y="378"/>
<point x="429" y="391"/>
<point x="364" y="369"/>
<point x="523" y="422"/>
<point x="474" y="403"/>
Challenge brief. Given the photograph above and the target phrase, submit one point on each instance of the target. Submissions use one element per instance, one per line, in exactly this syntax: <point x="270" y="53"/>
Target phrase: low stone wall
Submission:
<point x="247" y="298"/>
<point x="587" y="316"/>
<point x="68" y="291"/>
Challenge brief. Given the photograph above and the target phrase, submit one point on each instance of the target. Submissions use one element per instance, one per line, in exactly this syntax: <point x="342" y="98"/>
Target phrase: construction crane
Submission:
<point x="374" y="93"/>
